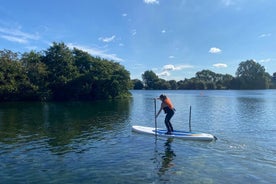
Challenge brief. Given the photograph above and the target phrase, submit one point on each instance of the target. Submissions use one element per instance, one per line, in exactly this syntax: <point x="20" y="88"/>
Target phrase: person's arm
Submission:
<point x="161" y="107"/>
<point x="158" y="112"/>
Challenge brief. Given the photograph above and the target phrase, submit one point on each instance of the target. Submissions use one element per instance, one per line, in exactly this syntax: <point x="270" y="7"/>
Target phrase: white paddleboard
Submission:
<point x="175" y="134"/>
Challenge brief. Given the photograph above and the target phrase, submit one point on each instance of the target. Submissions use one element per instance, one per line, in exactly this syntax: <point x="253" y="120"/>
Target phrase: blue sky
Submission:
<point x="173" y="38"/>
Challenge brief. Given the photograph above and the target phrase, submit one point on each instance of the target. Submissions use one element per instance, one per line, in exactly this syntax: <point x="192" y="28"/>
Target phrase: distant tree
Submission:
<point x="226" y="81"/>
<point x="150" y="79"/>
<point x="186" y="84"/>
<point x="252" y="75"/>
<point x="199" y="85"/>
<point x="206" y="76"/>
<point x="214" y="80"/>
<point x="211" y="85"/>
<point x="173" y="84"/>
<point x="191" y="84"/>
<point x="273" y="81"/>
<point x="162" y="84"/>
<point x="180" y="84"/>
<point x="137" y="84"/>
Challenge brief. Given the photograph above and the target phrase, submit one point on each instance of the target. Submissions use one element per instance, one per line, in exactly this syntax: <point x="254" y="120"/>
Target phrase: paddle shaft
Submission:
<point x="190" y="123"/>
<point x="155" y="121"/>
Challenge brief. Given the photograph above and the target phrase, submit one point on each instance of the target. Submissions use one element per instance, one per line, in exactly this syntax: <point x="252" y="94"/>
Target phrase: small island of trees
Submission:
<point x="60" y="73"/>
<point x="249" y="75"/>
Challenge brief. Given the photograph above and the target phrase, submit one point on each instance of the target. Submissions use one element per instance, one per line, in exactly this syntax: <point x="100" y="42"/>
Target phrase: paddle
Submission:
<point x="155" y="121"/>
<point x="190" y="125"/>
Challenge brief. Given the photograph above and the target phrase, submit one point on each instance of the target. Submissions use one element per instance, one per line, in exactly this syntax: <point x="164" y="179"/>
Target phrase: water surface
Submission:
<point x="92" y="142"/>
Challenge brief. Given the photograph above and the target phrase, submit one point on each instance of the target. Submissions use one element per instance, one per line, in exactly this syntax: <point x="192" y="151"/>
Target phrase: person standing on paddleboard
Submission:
<point x="168" y="108"/>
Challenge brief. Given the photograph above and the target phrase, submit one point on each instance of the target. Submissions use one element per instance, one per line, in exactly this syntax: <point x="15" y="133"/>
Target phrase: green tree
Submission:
<point x="181" y="84"/>
<point x="110" y="79"/>
<point x="150" y="79"/>
<point x="273" y="80"/>
<point x="83" y="61"/>
<point x="252" y="75"/>
<point x="37" y="73"/>
<point x="60" y="62"/>
<point x="98" y="78"/>
<point x="173" y="84"/>
<point x="226" y="81"/>
<point x="80" y="87"/>
<point x="14" y="83"/>
<point x="214" y="80"/>
<point x="137" y="84"/>
<point x="61" y="74"/>
<point x="161" y="84"/>
<point x="206" y="76"/>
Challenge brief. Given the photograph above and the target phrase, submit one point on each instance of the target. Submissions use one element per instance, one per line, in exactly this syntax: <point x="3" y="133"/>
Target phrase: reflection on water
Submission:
<point x="60" y="124"/>
<point x="167" y="157"/>
<point x="163" y="159"/>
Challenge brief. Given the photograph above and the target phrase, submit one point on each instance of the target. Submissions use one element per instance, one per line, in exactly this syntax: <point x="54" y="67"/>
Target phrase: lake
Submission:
<point x="92" y="142"/>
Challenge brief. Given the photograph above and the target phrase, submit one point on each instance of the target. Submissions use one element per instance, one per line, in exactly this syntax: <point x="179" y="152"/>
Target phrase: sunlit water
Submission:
<point x="83" y="142"/>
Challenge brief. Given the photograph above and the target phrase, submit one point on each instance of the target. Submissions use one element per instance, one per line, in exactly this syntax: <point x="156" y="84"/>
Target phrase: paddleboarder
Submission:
<point x="168" y="108"/>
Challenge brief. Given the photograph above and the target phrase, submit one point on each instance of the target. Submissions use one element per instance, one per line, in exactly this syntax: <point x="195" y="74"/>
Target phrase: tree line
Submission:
<point x="60" y="73"/>
<point x="249" y="75"/>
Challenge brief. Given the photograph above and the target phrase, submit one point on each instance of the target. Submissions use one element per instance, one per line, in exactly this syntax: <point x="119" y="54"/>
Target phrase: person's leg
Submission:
<point x="171" y="127"/>
<point x="167" y="123"/>
<point x="169" y="116"/>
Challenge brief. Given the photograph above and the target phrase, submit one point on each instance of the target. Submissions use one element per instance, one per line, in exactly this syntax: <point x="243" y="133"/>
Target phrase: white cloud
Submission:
<point x="265" y="35"/>
<point x="151" y="1"/>
<point x="96" y="52"/>
<point x="166" y="70"/>
<point x="214" y="50"/>
<point x="133" y="32"/>
<point x="163" y="31"/>
<point x="171" y="57"/>
<point x="168" y="67"/>
<point x="16" y="35"/>
<point x="107" y="39"/>
<point x="164" y="74"/>
<point x="14" y="39"/>
<point x="220" y="65"/>
<point x="171" y="67"/>
<point x="265" y="60"/>
<point x="124" y="14"/>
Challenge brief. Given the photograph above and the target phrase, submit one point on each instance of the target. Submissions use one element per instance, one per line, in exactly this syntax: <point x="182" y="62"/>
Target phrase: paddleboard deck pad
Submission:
<point x="175" y="134"/>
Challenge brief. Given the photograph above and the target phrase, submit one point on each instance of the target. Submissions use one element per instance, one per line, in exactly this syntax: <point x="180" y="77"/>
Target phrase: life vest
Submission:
<point x="169" y="106"/>
<point x="168" y="102"/>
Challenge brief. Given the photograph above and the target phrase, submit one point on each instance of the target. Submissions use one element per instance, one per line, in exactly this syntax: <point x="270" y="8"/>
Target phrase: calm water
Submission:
<point x="83" y="142"/>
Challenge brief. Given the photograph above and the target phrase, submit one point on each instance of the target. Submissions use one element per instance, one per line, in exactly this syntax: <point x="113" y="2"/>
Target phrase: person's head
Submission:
<point x="162" y="97"/>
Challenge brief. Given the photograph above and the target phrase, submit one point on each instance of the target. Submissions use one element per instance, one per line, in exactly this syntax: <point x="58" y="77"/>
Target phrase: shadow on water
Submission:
<point x="60" y="124"/>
